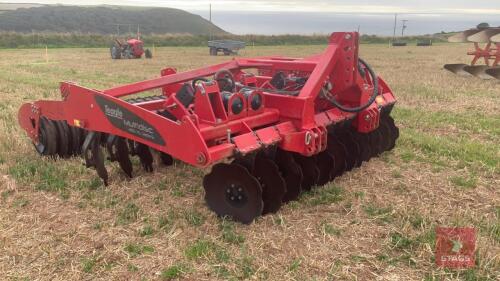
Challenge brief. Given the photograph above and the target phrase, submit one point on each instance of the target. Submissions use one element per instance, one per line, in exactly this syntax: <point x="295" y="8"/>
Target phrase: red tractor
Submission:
<point x="131" y="49"/>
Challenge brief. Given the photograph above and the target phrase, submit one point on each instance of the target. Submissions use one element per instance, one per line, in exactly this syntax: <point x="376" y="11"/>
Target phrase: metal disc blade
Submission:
<point x="352" y="147"/>
<point x="310" y="171"/>
<point x="494" y="72"/>
<point x="394" y="131"/>
<point x="364" y="145"/>
<point x="495" y="39"/>
<point x="376" y="142"/>
<point x="386" y="133"/>
<point x="230" y="190"/>
<point x="62" y="139"/>
<point x="457" y="68"/>
<point x="291" y="173"/>
<point x="462" y="36"/>
<point x="166" y="159"/>
<point x="110" y="147"/>
<point x="132" y="147"/>
<point x="273" y="184"/>
<point x="339" y="152"/>
<point x="326" y="165"/>
<point x="75" y="140"/>
<point x="484" y="36"/>
<point x="478" y="71"/>
<point x="145" y="156"/>
<point x="95" y="158"/>
<point x="47" y="138"/>
<point x="120" y="148"/>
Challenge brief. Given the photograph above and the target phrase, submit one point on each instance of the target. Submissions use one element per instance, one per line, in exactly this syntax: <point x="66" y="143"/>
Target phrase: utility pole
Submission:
<point x="395" y="26"/>
<point x="403" y="27"/>
<point x="210" y="19"/>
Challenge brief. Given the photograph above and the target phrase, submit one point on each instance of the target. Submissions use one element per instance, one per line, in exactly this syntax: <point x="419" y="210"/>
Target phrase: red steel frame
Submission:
<point x="206" y="133"/>
<point x="490" y="52"/>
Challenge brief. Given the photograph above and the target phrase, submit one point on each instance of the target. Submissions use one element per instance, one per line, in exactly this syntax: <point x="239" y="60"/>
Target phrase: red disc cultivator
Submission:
<point x="486" y="48"/>
<point x="273" y="126"/>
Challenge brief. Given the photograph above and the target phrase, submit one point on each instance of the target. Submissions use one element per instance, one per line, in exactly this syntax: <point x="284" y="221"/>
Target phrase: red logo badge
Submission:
<point x="455" y="247"/>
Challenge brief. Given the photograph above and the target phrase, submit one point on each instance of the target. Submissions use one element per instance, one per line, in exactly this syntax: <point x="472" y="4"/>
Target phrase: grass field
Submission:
<point x="57" y="222"/>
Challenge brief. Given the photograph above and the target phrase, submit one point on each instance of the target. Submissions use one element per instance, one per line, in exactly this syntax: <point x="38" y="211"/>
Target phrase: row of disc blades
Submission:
<point x="477" y="35"/>
<point x="259" y="184"/>
<point x="58" y="139"/>
<point x="481" y="71"/>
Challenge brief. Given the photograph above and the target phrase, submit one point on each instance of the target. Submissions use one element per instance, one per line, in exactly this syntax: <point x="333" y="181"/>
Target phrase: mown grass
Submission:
<point x="58" y="219"/>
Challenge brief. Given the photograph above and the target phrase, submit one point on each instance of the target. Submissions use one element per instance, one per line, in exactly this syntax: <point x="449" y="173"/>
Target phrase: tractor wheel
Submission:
<point x="148" y="54"/>
<point x="115" y="52"/>
<point x="213" y="51"/>
<point x="227" y="52"/>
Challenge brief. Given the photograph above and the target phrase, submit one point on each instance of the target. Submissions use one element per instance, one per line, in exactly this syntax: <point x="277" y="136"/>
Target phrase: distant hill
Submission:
<point x="14" y="6"/>
<point x="104" y="20"/>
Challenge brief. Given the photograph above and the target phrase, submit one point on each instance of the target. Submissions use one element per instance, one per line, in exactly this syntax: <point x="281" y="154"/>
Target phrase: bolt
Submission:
<point x="232" y="185"/>
<point x="200" y="158"/>
<point x="232" y="198"/>
<point x="240" y="197"/>
<point x="308" y="138"/>
<point x="240" y="189"/>
<point x="367" y="117"/>
<point x="228" y="190"/>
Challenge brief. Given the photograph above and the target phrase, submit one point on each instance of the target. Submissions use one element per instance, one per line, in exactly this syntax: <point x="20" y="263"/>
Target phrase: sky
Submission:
<point x="342" y="6"/>
<point x="324" y="16"/>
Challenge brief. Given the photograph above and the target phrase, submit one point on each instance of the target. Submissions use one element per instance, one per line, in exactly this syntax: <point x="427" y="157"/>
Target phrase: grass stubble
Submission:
<point x="57" y="222"/>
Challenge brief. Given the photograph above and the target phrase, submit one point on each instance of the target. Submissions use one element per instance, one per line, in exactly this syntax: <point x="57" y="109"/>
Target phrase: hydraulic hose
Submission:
<point x="369" y="102"/>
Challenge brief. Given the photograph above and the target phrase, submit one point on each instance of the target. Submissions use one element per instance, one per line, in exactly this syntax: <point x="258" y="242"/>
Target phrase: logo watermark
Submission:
<point x="455" y="247"/>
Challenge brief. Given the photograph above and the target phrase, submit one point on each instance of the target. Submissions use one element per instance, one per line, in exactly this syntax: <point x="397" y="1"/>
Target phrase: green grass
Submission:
<point x="194" y="218"/>
<point x="323" y="196"/>
<point x="166" y="221"/>
<point x="204" y="249"/>
<point x="130" y="213"/>
<point x="88" y="264"/>
<point x="294" y="265"/>
<point x="147" y="230"/>
<point x="135" y="250"/>
<point x="198" y="249"/>
<point x="466" y="123"/>
<point x="329" y="229"/>
<point x="229" y="234"/>
<point x="464" y="182"/>
<point x="173" y="272"/>
<point x="436" y="148"/>
<point x="132" y="268"/>
<point x="380" y="213"/>
<point x="399" y="241"/>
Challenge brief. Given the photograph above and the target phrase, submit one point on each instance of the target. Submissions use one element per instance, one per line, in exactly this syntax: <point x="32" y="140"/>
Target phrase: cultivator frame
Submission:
<point x="486" y="48"/>
<point x="290" y="125"/>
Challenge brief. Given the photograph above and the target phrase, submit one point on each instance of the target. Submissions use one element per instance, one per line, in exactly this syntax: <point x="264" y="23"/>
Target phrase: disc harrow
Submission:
<point x="270" y="127"/>
<point x="486" y="42"/>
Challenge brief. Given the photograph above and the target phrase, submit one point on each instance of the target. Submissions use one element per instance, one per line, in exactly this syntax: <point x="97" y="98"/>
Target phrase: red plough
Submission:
<point x="486" y="49"/>
<point x="273" y="126"/>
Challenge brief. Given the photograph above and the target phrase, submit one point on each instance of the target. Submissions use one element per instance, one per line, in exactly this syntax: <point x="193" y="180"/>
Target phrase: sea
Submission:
<point x="274" y="23"/>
